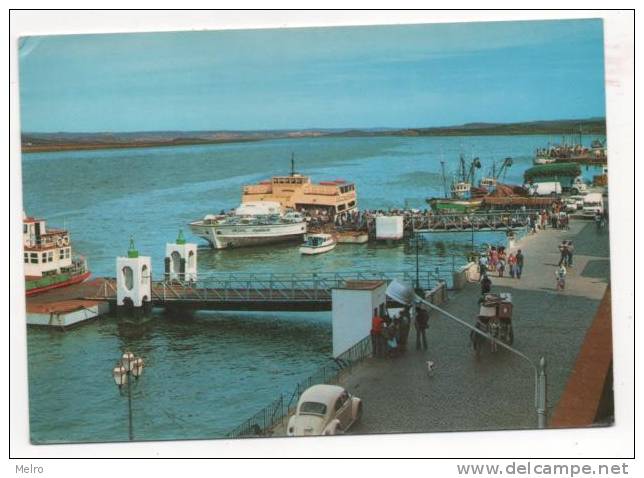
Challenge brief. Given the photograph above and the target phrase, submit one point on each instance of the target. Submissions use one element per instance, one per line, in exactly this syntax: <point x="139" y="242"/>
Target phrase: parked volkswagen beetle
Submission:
<point x="324" y="410"/>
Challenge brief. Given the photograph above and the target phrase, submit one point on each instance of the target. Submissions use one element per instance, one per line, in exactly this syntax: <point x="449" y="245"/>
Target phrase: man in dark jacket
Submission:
<point x="486" y="285"/>
<point x="421" y="322"/>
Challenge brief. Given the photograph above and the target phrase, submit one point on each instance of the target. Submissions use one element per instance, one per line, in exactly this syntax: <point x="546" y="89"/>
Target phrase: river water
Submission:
<point x="209" y="371"/>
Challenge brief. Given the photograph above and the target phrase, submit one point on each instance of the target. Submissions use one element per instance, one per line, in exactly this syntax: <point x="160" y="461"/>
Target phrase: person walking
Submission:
<point x="404" y="328"/>
<point x="376" y="335"/>
<point x="570" y="249"/>
<point x="482" y="265"/>
<point x="512" y="264"/>
<point x="519" y="266"/>
<point x="563" y="251"/>
<point x="560" y="278"/>
<point x="501" y="266"/>
<point x="421" y="322"/>
<point x="486" y="285"/>
<point x="494" y="259"/>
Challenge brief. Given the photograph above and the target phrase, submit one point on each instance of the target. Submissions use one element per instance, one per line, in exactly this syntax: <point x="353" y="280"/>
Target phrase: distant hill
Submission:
<point x="33" y="142"/>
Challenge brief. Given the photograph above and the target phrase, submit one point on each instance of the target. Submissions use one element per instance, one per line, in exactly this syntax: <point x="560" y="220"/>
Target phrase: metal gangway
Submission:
<point x="267" y="291"/>
<point x="458" y="222"/>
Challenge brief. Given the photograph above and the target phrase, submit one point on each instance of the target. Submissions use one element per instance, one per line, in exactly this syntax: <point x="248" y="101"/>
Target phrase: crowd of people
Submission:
<point x="554" y="217"/>
<point x="497" y="260"/>
<point x="390" y="335"/>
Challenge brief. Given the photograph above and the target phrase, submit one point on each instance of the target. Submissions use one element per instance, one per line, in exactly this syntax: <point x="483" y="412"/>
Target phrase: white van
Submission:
<point x="593" y="204"/>
<point x="544" y="189"/>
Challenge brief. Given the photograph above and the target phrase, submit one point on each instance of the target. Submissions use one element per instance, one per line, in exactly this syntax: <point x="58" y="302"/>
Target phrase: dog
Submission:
<point x="430" y="367"/>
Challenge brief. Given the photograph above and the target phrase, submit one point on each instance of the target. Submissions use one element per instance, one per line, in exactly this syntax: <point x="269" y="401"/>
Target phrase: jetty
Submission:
<point x="222" y="291"/>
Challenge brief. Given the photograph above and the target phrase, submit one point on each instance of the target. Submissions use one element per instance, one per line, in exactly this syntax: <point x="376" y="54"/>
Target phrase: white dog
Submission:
<point x="430" y="368"/>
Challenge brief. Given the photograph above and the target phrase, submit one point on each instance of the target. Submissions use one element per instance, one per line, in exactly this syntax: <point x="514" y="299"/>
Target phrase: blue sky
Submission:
<point x="384" y="76"/>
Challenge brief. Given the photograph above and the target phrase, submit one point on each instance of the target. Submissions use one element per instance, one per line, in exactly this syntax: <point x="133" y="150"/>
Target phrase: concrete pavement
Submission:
<point x="495" y="391"/>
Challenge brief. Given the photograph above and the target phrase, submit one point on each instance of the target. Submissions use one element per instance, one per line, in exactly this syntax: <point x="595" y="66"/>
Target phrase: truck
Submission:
<point x="550" y="188"/>
<point x="568" y="175"/>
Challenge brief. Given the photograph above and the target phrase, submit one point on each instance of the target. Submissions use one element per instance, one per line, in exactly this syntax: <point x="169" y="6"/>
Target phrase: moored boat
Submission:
<point x="461" y="198"/>
<point x="296" y="191"/>
<point x="251" y="224"/>
<point x="48" y="259"/>
<point x="317" y="244"/>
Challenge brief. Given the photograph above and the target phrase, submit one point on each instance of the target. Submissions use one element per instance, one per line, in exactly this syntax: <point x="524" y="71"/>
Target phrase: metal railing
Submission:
<point x="263" y="422"/>
<point x="455" y="222"/>
<point x="276" y="287"/>
<point x="279" y="287"/>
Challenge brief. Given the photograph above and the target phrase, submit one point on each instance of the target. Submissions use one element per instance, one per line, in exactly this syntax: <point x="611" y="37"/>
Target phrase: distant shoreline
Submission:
<point x="53" y="142"/>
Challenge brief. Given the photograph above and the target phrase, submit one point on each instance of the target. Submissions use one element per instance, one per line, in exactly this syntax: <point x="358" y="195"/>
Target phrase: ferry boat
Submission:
<point x="251" y="224"/>
<point x="317" y="244"/>
<point x="48" y="259"/>
<point x="297" y="192"/>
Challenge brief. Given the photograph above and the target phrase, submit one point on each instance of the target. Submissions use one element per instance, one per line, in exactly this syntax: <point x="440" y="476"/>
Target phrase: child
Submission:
<point x="560" y="277"/>
<point x="501" y="266"/>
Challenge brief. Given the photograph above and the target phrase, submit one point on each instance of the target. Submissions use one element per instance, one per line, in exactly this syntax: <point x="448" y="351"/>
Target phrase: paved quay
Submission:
<point x="496" y="390"/>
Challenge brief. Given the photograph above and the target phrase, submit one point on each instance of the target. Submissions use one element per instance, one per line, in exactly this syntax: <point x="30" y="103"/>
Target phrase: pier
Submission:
<point x="501" y="221"/>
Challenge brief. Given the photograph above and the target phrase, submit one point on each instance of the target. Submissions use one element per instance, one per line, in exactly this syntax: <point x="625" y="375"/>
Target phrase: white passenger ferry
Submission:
<point x="251" y="224"/>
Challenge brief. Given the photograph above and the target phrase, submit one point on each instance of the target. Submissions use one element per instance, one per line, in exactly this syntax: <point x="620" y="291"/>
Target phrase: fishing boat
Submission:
<point x="572" y="151"/>
<point x="251" y="224"/>
<point x="317" y="244"/>
<point x="48" y="258"/>
<point x="488" y="183"/>
<point x="460" y="199"/>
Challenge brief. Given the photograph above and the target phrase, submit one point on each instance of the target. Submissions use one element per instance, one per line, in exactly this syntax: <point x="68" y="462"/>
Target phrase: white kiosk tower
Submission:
<point x="133" y="281"/>
<point x="181" y="260"/>
<point x="353" y="307"/>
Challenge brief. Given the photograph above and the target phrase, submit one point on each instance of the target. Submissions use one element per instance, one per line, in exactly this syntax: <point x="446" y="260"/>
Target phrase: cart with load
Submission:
<point x="495" y="320"/>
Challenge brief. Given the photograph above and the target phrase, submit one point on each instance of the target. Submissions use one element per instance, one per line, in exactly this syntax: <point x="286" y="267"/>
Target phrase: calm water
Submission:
<point x="208" y="372"/>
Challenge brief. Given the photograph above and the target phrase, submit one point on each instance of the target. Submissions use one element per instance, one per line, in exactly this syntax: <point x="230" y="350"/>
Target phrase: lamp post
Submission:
<point x="129" y="366"/>
<point x="404" y="294"/>
<point x="417" y="235"/>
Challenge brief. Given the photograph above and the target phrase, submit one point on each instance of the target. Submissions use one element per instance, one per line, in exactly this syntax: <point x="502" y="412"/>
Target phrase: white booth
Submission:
<point x="353" y="307"/>
<point x="389" y="228"/>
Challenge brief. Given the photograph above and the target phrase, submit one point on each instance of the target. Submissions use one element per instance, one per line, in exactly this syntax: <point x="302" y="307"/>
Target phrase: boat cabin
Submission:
<point x="46" y="251"/>
<point x="296" y="191"/>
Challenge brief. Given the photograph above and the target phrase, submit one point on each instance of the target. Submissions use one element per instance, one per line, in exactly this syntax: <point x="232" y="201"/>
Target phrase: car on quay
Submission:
<point x="574" y="203"/>
<point x="324" y="410"/>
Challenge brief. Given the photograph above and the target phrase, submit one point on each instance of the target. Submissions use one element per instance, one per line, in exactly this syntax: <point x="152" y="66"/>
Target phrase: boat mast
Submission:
<point x="444" y="178"/>
<point x="507" y="162"/>
<point x="462" y="159"/>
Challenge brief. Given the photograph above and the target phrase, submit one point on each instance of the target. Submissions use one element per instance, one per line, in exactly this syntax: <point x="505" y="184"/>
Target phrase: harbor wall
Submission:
<point x="464" y="275"/>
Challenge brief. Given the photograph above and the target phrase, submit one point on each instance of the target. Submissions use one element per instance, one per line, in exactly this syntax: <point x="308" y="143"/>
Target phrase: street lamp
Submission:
<point x="129" y="365"/>
<point x="404" y="294"/>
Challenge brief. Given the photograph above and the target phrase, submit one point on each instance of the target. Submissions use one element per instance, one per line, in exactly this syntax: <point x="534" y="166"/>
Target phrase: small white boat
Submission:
<point x="317" y="244"/>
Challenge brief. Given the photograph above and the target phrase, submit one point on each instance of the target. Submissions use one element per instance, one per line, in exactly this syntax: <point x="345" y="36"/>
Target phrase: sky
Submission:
<point x="340" y="77"/>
